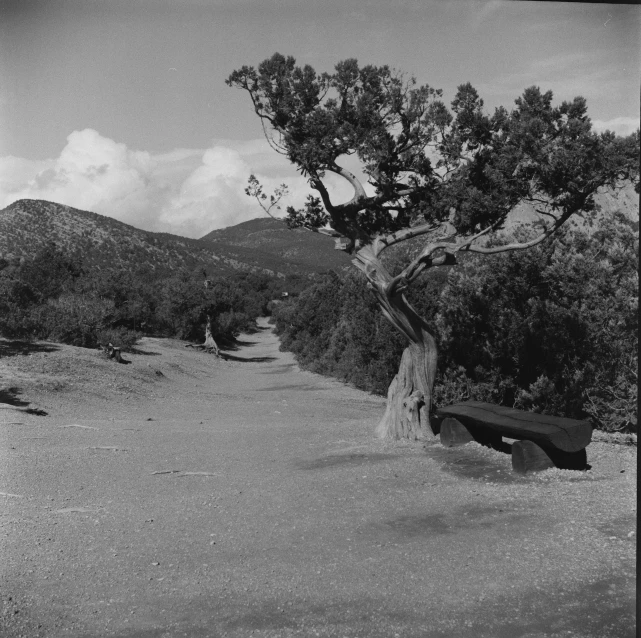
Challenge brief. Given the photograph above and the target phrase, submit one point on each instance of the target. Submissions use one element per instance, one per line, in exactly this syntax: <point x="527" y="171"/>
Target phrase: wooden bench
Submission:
<point x="542" y="441"/>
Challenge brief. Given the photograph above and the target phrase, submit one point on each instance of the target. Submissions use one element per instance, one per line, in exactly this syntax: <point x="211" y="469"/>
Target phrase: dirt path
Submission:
<point x="186" y="496"/>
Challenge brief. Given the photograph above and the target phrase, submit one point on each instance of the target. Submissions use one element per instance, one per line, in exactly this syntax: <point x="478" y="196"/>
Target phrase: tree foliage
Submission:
<point x="52" y="296"/>
<point x="553" y="330"/>
<point x="426" y="163"/>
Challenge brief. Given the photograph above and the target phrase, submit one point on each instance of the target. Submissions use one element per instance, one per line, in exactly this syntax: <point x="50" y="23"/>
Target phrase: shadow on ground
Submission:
<point x="302" y="387"/>
<point x="231" y="357"/>
<point x="596" y="610"/>
<point x="13" y="348"/>
<point x="145" y="353"/>
<point x="466" y="462"/>
<point x="408" y="527"/>
<point x="10" y="396"/>
<point x="235" y="345"/>
<point x="280" y="369"/>
<point x="337" y="460"/>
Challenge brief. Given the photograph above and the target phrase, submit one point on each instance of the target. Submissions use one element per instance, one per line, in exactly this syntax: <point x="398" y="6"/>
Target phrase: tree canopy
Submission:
<point x="429" y="165"/>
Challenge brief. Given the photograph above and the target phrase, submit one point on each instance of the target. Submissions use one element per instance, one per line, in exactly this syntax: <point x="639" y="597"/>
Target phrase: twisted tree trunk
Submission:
<point x="409" y="397"/>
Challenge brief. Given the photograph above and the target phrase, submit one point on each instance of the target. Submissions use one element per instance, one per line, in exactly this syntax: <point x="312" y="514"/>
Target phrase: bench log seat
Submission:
<point x="542" y="440"/>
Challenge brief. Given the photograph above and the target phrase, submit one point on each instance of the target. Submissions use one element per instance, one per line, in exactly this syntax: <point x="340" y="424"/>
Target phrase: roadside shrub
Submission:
<point x="228" y="325"/>
<point x="71" y="318"/>
<point x="51" y="296"/>
<point x="553" y="329"/>
<point x="121" y="337"/>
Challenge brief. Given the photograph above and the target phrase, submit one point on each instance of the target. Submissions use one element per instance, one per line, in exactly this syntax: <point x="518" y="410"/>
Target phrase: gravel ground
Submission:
<point x="184" y="495"/>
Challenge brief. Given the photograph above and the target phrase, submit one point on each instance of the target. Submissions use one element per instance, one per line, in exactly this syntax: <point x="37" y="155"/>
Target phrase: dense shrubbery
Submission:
<point x="553" y="329"/>
<point x="51" y="297"/>
<point x="334" y="327"/>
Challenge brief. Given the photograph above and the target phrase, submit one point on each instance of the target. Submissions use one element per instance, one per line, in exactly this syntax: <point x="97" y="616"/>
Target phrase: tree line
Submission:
<point x="54" y="296"/>
<point x="553" y="329"/>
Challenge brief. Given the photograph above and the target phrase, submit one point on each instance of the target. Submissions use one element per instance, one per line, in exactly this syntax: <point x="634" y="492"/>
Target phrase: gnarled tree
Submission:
<point x="451" y="176"/>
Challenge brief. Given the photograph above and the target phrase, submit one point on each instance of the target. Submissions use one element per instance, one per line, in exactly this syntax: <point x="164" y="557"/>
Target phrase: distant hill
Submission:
<point x="271" y="236"/>
<point x="102" y="242"/>
<point x="259" y="245"/>
<point x="625" y="200"/>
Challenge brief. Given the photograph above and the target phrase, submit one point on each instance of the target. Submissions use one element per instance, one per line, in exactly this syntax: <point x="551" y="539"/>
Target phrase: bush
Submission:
<point x="73" y="319"/>
<point x="553" y="329"/>
<point x="51" y="297"/>
<point x="119" y="337"/>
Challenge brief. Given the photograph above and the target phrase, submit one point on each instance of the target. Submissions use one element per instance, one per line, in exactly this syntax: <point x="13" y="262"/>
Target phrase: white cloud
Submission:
<point x="619" y="125"/>
<point x="92" y="173"/>
<point x="213" y="195"/>
<point x="186" y="191"/>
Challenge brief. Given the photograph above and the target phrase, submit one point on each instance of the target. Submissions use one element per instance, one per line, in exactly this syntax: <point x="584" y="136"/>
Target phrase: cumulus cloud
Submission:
<point x="186" y="191"/>
<point x="92" y="173"/>
<point x="213" y="195"/>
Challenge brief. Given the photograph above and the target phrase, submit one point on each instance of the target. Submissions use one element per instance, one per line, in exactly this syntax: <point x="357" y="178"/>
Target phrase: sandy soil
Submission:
<point x="183" y="495"/>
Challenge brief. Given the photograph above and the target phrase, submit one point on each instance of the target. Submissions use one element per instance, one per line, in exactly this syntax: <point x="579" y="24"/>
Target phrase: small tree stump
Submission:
<point x="113" y="352"/>
<point x="454" y="433"/>
<point x="527" y="456"/>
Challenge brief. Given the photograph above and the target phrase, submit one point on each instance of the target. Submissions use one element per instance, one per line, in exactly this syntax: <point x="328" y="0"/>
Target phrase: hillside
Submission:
<point x="625" y="201"/>
<point x="260" y="245"/>
<point x="272" y="236"/>
<point x="102" y="242"/>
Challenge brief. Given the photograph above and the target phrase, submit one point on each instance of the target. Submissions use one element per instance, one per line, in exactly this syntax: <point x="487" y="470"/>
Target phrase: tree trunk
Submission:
<point x="409" y="397"/>
<point x="210" y="345"/>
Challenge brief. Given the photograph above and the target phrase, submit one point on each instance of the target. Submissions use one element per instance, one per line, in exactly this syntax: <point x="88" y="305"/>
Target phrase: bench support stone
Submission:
<point x="454" y="433"/>
<point x="527" y="457"/>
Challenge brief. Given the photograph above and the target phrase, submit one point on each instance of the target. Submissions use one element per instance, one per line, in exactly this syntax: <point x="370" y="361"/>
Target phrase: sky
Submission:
<point x="120" y="107"/>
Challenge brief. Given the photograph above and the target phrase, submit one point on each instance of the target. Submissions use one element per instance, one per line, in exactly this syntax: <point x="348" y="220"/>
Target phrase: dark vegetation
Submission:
<point x="553" y="329"/>
<point x="55" y="296"/>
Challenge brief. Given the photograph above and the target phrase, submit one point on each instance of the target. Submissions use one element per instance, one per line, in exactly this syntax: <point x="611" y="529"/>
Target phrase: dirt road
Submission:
<point x="182" y="495"/>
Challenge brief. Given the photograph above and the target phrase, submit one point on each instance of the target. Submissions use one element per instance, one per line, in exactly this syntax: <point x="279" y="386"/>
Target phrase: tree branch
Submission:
<point x="330" y="232"/>
<point x="359" y="191"/>
<point x="426" y="260"/>
<point x="381" y="243"/>
<point x="316" y="184"/>
<point x="468" y="247"/>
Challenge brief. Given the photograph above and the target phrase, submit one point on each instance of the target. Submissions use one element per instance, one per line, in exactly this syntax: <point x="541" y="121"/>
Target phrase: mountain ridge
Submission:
<point x="261" y="244"/>
<point x="272" y="235"/>
<point x="102" y="242"/>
